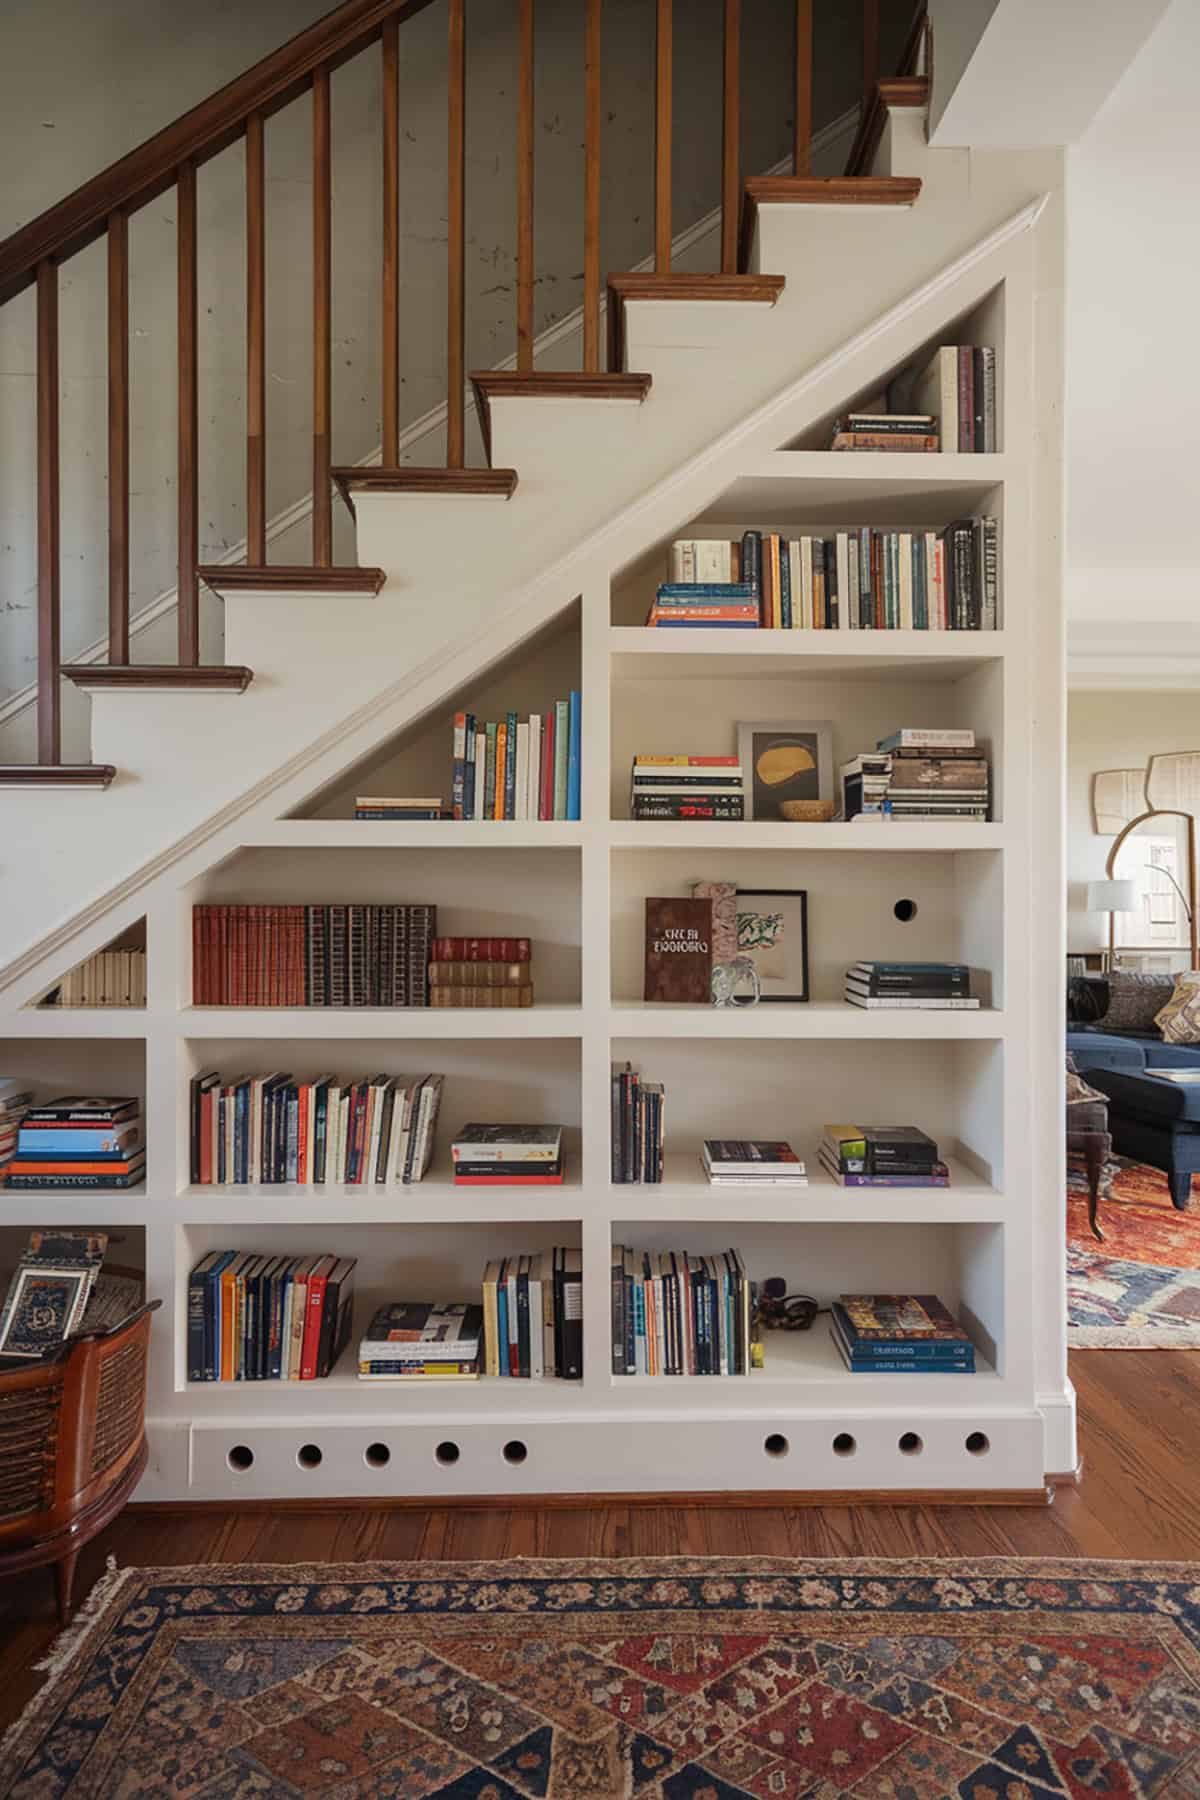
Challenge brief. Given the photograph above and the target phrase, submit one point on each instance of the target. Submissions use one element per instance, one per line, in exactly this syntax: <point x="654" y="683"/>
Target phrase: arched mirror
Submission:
<point x="1156" y="854"/>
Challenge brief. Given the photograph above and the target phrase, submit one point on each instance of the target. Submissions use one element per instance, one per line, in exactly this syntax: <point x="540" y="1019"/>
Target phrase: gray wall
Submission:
<point x="80" y="84"/>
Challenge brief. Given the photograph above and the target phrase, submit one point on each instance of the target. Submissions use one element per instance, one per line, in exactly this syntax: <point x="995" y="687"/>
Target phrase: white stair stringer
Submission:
<point x="598" y="483"/>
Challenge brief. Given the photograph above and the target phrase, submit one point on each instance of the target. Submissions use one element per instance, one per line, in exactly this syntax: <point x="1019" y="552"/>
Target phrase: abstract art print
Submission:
<point x="787" y="760"/>
<point x="772" y="926"/>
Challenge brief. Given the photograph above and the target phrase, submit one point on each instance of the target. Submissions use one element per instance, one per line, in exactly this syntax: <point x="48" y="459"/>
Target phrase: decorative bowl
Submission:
<point x="810" y="812"/>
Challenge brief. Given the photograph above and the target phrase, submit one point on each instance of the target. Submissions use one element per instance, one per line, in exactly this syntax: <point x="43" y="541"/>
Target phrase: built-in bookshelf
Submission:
<point x="577" y="889"/>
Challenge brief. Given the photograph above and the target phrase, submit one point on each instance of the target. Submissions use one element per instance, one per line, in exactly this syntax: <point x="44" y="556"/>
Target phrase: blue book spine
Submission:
<point x="683" y="593"/>
<point x="96" y="1144"/>
<point x="894" y="1366"/>
<point x="91" y="1156"/>
<point x="196" y="1357"/>
<point x="241" y="1131"/>
<point x="510" y="766"/>
<point x="502" y="1322"/>
<point x="574" y="723"/>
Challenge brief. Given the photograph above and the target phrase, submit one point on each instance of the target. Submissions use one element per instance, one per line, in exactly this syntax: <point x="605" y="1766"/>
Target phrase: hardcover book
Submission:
<point x="679" y="957"/>
<point x="876" y="1318"/>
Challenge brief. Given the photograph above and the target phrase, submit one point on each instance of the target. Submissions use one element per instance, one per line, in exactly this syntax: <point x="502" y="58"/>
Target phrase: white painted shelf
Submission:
<point x="685" y="1195"/>
<point x="653" y="653"/>
<point x="428" y="1202"/>
<point x="811" y="1019"/>
<point x="381" y="1023"/>
<point x="74" y="1022"/>
<point x="419" y="834"/>
<point x="801" y="1358"/>
<point x="733" y="834"/>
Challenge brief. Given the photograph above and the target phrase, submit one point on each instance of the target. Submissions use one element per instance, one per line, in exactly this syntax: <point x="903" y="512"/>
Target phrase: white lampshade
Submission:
<point x="1111" y="896"/>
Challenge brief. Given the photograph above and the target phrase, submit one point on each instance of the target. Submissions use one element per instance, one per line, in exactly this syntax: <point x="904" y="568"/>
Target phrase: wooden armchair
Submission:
<point x="72" y="1447"/>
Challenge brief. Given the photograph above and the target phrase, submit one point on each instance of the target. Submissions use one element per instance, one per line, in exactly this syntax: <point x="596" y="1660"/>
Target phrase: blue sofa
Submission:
<point x="1127" y="1052"/>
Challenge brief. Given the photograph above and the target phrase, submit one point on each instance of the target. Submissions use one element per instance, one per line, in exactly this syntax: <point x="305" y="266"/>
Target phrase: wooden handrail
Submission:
<point x="217" y="122"/>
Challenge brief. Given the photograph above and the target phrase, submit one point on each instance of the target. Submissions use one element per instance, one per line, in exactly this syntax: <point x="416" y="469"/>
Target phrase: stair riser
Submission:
<point x="535" y="435"/>
<point x="902" y="148"/>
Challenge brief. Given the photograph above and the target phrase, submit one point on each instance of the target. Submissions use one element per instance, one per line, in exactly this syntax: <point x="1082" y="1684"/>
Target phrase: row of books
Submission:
<point x="637" y="1127"/>
<point x="488" y="978"/>
<point x="109" y="978"/>
<point x="490" y="1155"/>
<point x="78" y="1141"/>
<point x="958" y="386"/>
<point x="342" y="955"/>
<point x="518" y="768"/>
<point x="900" y="1334"/>
<point x="896" y="432"/>
<point x="687" y="787"/>
<point x="257" y="1317"/>
<point x="871" y="578"/>
<point x="923" y="986"/>
<point x="533" y="1315"/>
<point x="922" y="777"/>
<point x="400" y="807"/>
<point x="882" y="1156"/>
<point x="752" y="1162"/>
<point x="372" y="1131"/>
<point x="676" y="1314"/>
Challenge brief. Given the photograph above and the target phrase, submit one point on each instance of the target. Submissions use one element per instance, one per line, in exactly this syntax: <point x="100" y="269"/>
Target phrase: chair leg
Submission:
<point x="1094" y="1158"/>
<point x="1181" y="1188"/>
<point x="64" y="1581"/>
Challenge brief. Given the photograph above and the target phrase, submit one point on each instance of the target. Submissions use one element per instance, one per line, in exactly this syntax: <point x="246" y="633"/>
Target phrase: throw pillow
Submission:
<point x="1078" y="1089"/>
<point x="1134" y="1000"/>
<point x="1179" y="1020"/>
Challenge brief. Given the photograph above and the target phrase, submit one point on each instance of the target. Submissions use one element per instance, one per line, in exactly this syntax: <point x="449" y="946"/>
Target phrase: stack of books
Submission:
<point x="687" y="787"/>
<point x="79" y="1142"/>
<point x="636" y="1126"/>
<point x="109" y="978"/>
<point x="882" y="1156"/>
<point x="312" y="955"/>
<point x="256" y="1317"/>
<point x="48" y="1297"/>
<point x="311" y="1130"/>
<point x="533" y="1315"/>
<point x="14" y="1100"/>
<point x="885" y="431"/>
<point x="508" y="1156"/>
<point x="518" y="768"/>
<point x="958" y="384"/>
<point x="900" y="1334"/>
<point x="415" y="1340"/>
<point x="488" y="972"/>
<point x="872" y="578"/>
<point x="675" y="1314"/>
<point x="752" y="1162"/>
<point x="884" y="986"/>
<point x="918" y="773"/>
<point x="384" y="806"/>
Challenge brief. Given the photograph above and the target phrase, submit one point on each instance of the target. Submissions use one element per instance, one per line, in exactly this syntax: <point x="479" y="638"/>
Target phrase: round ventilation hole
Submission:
<point x="377" y="1456"/>
<point x="515" y="1451"/>
<point x="911" y="1444"/>
<point x="309" y="1456"/>
<point x="905" y="911"/>
<point x="776" y="1444"/>
<point x="240" y="1458"/>
<point x="447" y="1452"/>
<point x="844" y="1444"/>
<point x="978" y="1443"/>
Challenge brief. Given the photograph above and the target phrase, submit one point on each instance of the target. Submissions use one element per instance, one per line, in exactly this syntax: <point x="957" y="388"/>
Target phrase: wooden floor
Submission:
<point x="1139" y="1497"/>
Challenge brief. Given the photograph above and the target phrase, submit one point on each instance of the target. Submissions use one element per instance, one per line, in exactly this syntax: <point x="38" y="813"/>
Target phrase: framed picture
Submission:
<point x="772" y="929"/>
<point x="788" y="760"/>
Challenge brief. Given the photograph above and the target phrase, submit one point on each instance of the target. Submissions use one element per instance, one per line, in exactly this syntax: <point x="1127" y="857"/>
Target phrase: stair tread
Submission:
<point x="834" y="190"/>
<point x="409" y="479"/>
<point x="200" y="678"/>
<point x="234" y="576"/>
<point x="46" y="775"/>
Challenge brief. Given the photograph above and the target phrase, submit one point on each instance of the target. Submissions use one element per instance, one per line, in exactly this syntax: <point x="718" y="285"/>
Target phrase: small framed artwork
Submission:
<point x="788" y="760"/>
<point x="772" y="930"/>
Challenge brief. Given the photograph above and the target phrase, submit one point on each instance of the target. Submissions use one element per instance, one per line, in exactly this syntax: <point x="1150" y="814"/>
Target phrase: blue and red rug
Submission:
<point x="675" y="1679"/>
<point x="1140" y="1288"/>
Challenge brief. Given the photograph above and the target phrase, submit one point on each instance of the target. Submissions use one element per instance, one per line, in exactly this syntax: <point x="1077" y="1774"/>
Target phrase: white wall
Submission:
<point x="1111" y="731"/>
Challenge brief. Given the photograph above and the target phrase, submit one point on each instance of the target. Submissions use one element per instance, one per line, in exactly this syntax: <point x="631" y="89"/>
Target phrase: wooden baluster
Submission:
<point x="870" y="49"/>
<point x="49" y="716"/>
<point x="118" y="439"/>
<point x="803" y="98"/>
<point x="591" y="191"/>
<point x="390" y="360"/>
<point x="322" y="500"/>
<point x="456" y="221"/>
<point x="256" y="360"/>
<point x="188" y="420"/>
<point x="662" y="139"/>
<point x="730" y="131"/>
<point x="525" y="187"/>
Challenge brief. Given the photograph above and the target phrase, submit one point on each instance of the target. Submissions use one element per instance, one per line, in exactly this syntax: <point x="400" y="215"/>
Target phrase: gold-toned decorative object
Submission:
<point x="814" y="812"/>
<point x="1116" y="798"/>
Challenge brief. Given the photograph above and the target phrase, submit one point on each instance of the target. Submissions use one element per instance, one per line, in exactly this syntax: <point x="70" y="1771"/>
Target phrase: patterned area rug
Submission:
<point x="1140" y="1288"/>
<point x="674" y="1679"/>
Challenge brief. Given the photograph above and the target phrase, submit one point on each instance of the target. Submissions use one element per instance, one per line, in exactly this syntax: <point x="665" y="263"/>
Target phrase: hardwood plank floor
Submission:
<point x="1138" y="1498"/>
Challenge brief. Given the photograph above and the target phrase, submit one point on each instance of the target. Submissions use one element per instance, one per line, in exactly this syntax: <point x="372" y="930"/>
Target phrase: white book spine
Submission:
<point x="480" y="771"/>
<point x="904" y="555"/>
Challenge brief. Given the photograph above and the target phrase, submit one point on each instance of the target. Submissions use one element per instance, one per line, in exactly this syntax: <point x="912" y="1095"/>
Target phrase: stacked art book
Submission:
<point x="400" y="808"/>
<point x="508" y="1156"/>
<point x="752" y="1162"/>
<point x="481" y="972"/>
<point x="14" y="1100"/>
<point x="417" y="1340"/>
<point x="882" y="1156"/>
<point x="533" y="1315"/>
<point x="918" y="773"/>
<point x="920" y="986"/>
<point x="257" y="1317"/>
<point x="687" y="787"/>
<point x="372" y="1131"/>
<point x="900" y="1334"/>
<point x="80" y="1141"/>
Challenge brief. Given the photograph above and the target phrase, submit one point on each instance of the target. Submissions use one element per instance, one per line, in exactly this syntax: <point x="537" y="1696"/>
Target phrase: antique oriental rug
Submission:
<point x="672" y="1679"/>
<point x="1140" y="1288"/>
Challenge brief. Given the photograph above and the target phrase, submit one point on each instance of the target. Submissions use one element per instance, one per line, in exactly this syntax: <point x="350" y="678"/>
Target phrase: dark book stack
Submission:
<point x="900" y="1334"/>
<point x="675" y="1314"/>
<point x="79" y="1142"/>
<point x="884" y="986"/>
<point x="281" y="1128"/>
<point x="636" y="1126"/>
<point x="687" y="787"/>
<point x="415" y="1340"/>
<point x="508" y="1156"/>
<point x="15" y="1099"/>
<point x="487" y="972"/>
<point x="919" y="774"/>
<point x="387" y="806"/>
<point x="519" y="768"/>
<point x="958" y="385"/>
<point x="886" y="431"/>
<point x="353" y="955"/>
<point x="882" y="1156"/>
<point x="255" y="1317"/>
<point x="752" y="1162"/>
<point x="533" y="1315"/>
